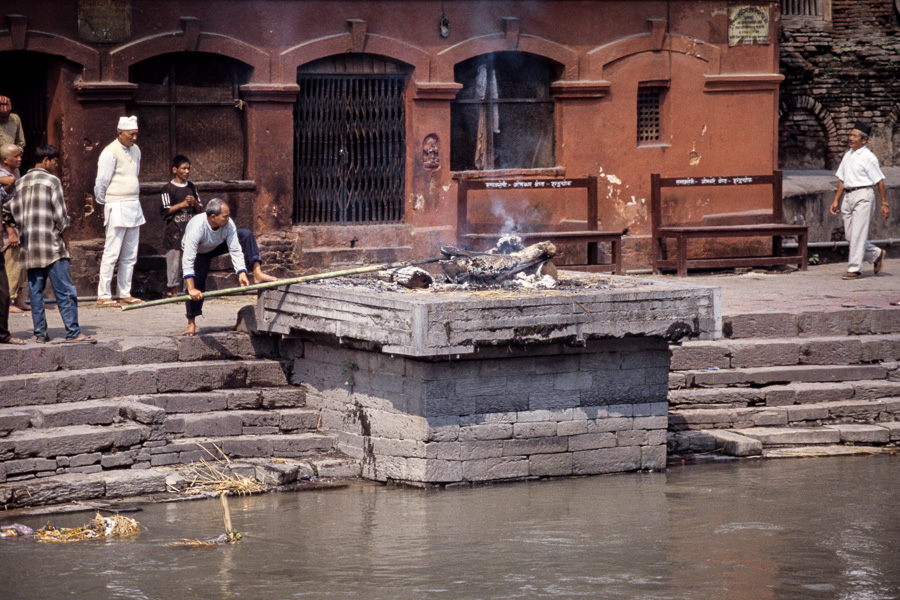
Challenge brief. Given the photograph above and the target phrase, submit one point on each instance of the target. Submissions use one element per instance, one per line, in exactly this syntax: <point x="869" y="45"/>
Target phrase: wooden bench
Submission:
<point x="755" y="223"/>
<point x="592" y="235"/>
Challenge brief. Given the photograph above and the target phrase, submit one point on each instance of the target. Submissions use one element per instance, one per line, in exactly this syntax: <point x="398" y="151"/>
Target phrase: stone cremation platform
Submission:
<point x="452" y="384"/>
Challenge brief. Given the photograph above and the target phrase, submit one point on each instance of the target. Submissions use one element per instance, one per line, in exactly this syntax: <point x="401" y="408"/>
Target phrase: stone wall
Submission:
<point x="498" y="414"/>
<point x="837" y="72"/>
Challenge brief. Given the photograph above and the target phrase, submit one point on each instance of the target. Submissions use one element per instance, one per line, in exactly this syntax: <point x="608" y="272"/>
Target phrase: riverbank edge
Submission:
<point x="131" y="504"/>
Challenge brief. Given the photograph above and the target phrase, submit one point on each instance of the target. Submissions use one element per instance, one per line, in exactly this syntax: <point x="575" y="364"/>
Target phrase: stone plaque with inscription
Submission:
<point x="748" y="25"/>
<point x="104" y="21"/>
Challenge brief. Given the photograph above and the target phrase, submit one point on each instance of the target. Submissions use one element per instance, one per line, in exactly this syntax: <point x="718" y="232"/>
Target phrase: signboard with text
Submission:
<point x="748" y="25"/>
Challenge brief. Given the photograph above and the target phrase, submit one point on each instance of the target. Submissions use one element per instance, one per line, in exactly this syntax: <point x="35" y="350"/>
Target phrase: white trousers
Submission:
<point x="121" y="247"/>
<point x="856" y="211"/>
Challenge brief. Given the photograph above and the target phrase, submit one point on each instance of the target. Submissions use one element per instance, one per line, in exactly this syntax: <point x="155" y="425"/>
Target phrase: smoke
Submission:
<point x="509" y="223"/>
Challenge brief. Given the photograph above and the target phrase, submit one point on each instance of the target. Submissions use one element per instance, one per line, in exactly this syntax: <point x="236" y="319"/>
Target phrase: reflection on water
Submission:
<point x="822" y="528"/>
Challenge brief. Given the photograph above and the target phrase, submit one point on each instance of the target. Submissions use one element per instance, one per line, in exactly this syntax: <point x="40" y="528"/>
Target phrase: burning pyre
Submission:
<point x="505" y="262"/>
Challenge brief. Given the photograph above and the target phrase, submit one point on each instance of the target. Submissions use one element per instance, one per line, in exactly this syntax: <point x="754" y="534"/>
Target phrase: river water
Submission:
<point x="824" y="528"/>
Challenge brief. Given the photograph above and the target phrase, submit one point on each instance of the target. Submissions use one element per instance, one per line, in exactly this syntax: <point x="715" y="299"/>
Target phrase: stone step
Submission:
<point x="124" y="483"/>
<point x="806" y="436"/>
<point x="93" y="448"/>
<point x="188" y="450"/>
<point x="839" y="322"/>
<point x="230" y="399"/>
<point x="87" y="412"/>
<point x="71" y="446"/>
<point x="760" y="352"/>
<point x="808" y="415"/>
<point x="110" y="382"/>
<point x="138" y="350"/>
<point x="242" y="422"/>
<point x="784" y="441"/>
<point x="782" y="395"/>
<point x="760" y="376"/>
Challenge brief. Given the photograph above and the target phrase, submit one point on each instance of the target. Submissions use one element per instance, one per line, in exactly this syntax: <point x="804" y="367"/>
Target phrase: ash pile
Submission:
<point x="508" y="264"/>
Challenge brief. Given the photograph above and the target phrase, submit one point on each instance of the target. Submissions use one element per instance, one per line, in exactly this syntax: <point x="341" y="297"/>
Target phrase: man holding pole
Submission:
<point x="207" y="236"/>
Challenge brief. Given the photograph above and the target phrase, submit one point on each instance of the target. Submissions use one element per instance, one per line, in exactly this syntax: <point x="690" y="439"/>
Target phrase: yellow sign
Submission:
<point x="748" y="25"/>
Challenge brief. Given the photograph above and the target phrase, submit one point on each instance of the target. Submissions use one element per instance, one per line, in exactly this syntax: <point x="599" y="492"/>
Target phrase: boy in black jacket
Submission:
<point x="180" y="202"/>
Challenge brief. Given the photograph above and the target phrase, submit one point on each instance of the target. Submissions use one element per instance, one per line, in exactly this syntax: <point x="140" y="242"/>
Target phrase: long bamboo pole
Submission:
<point x="274" y="284"/>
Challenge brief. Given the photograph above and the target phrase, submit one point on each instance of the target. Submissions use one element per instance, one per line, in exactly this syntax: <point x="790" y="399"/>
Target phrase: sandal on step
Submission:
<point x="130" y="300"/>
<point x="82" y="339"/>
<point x="107" y="302"/>
<point x="15" y="341"/>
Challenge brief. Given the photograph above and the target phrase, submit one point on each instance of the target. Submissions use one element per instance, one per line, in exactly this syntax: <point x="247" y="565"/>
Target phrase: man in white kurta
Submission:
<point x="118" y="190"/>
<point x="859" y="174"/>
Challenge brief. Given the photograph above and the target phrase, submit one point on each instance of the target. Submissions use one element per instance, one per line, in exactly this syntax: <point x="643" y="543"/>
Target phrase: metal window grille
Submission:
<point x="802" y="8"/>
<point x="503" y="118"/>
<point x="648" y="115"/>
<point x="188" y="104"/>
<point x="349" y="148"/>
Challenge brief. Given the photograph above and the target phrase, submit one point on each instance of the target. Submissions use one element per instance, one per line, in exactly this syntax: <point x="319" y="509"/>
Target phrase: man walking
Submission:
<point x="118" y="190"/>
<point x="39" y="211"/>
<point x="858" y="175"/>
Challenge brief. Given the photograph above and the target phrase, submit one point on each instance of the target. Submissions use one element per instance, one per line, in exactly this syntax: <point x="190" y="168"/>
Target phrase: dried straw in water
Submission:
<point x="208" y="477"/>
<point x="101" y="528"/>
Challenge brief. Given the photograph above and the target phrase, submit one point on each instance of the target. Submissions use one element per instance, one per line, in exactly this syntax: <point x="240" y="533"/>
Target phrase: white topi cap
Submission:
<point x="127" y="123"/>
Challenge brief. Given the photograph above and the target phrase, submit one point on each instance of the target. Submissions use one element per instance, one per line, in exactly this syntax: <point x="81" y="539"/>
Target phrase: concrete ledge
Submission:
<point x="792" y="436"/>
<point x="865" y="434"/>
<point x="735" y="444"/>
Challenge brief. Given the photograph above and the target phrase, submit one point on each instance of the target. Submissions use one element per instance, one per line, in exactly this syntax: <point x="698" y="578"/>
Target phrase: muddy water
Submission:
<point x="822" y="528"/>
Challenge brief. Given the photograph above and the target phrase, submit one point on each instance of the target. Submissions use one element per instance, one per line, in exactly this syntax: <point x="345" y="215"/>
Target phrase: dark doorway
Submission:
<point x="24" y="82"/>
<point x="349" y="148"/>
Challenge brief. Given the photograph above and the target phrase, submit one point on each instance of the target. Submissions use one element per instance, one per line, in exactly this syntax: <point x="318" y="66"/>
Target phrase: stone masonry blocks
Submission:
<point x="596" y="410"/>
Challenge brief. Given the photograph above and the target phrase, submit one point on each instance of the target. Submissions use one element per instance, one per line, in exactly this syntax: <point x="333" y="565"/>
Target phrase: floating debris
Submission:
<point x="231" y="535"/>
<point x="222" y="540"/>
<point x="15" y="530"/>
<point x="101" y="528"/>
<point x="205" y="477"/>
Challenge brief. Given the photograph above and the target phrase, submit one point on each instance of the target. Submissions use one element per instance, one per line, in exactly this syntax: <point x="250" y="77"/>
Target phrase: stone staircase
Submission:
<point x="115" y="419"/>
<point x="788" y="384"/>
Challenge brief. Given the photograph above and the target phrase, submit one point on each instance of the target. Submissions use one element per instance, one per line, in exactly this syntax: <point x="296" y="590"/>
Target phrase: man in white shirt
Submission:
<point x="858" y="175"/>
<point x="206" y="236"/>
<point x="118" y="190"/>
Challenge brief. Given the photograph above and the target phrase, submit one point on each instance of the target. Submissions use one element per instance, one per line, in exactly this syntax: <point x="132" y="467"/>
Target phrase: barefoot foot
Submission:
<point x="260" y="277"/>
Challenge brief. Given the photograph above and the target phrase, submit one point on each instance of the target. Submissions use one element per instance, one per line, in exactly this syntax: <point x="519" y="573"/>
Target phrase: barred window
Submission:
<point x="187" y="103"/>
<point x="503" y="118"/>
<point x="648" y="115"/>
<point x="802" y="8"/>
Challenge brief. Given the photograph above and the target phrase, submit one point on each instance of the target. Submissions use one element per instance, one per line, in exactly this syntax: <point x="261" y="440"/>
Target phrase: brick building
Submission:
<point x="841" y="62"/>
<point x="337" y="130"/>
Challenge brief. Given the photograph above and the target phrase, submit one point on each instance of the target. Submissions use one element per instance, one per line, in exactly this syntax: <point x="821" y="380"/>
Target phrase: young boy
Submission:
<point x="180" y="202"/>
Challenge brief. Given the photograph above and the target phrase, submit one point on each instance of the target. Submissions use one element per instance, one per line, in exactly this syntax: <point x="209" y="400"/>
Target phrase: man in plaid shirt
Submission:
<point x="39" y="210"/>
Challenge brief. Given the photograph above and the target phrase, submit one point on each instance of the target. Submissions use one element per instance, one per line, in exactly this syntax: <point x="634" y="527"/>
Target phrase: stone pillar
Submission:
<point x="270" y="153"/>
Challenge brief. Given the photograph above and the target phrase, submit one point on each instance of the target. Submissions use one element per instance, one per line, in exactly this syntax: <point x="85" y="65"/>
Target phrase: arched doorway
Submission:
<point x="188" y="103"/>
<point x="349" y="141"/>
<point x="24" y="82"/>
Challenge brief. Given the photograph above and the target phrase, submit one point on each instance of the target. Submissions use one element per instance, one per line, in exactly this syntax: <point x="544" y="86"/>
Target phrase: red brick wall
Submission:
<point x="840" y="72"/>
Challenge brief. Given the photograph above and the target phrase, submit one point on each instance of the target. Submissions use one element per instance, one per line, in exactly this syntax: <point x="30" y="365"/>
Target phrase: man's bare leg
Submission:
<point x="191" y="328"/>
<point x="259" y="276"/>
<point x="18" y="304"/>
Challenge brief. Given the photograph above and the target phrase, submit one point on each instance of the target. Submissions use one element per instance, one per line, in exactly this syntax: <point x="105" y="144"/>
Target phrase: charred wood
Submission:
<point x="408" y="277"/>
<point x="462" y="266"/>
